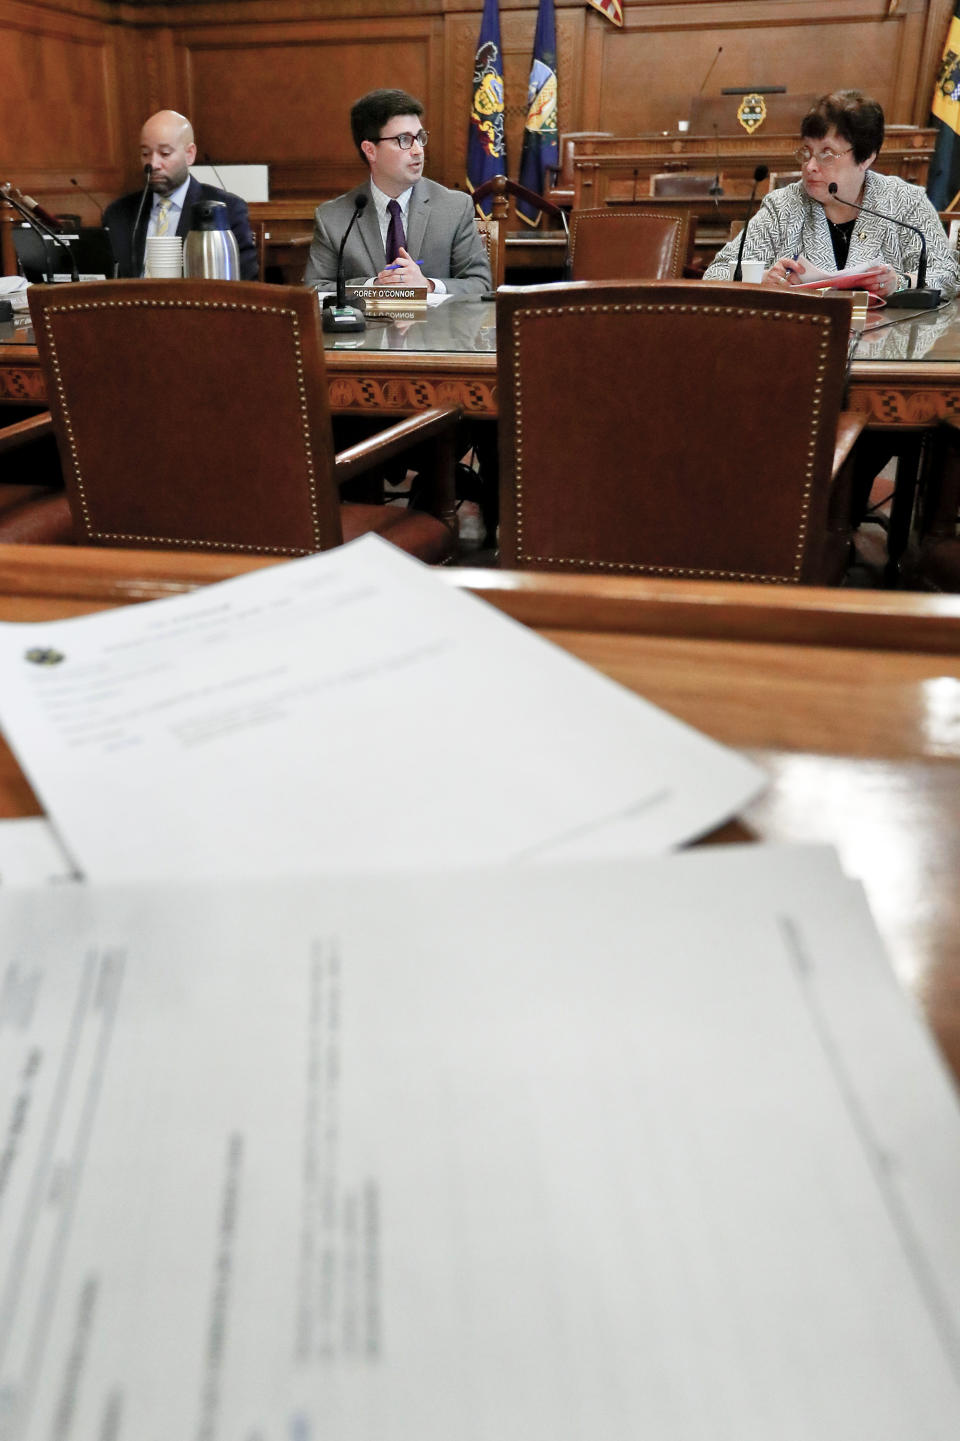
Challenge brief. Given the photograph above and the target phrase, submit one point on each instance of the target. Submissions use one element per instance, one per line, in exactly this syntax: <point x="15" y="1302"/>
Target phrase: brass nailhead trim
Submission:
<point x="663" y="308"/>
<point x="65" y="307"/>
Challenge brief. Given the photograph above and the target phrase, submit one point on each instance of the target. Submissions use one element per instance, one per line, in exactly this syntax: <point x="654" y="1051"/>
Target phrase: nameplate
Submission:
<point x="391" y="297"/>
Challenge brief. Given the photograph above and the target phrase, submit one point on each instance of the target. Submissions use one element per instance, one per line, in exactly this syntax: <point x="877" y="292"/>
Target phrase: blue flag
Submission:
<point x="487" y="147"/>
<point x="943" y="182"/>
<point x="541" y="146"/>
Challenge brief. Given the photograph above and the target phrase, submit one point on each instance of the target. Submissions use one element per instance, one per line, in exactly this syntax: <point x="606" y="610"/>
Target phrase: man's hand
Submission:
<point x="404" y="271"/>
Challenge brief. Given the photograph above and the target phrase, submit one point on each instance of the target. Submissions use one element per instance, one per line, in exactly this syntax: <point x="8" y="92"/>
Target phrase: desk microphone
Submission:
<point x="37" y="211"/>
<point x="74" y="181"/>
<point x="710" y="69"/>
<point x="337" y="314"/>
<point x="716" y="189"/>
<point x="31" y="214"/>
<point x="922" y="296"/>
<point x="209" y="162"/>
<point x="134" y="267"/>
<point x="759" y="174"/>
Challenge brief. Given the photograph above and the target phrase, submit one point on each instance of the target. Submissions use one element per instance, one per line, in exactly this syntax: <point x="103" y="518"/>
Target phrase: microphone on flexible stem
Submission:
<point x="208" y="161"/>
<point x="74" y="181"/>
<point x="337" y="314"/>
<point x="710" y="69"/>
<point x="716" y="189"/>
<point x="134" y="267"/>
<point x="922" y="296"/>
<point x="29" y="214"/>
<point x="759" y="174"/>
<point x="44" y="216"/>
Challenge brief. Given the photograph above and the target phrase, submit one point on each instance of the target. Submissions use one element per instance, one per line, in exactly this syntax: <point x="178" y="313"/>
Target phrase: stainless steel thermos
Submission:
<point x="210" y="250"/>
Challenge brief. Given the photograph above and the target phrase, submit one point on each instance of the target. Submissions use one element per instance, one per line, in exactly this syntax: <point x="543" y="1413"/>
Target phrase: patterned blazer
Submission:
<point x="790" y="223"/>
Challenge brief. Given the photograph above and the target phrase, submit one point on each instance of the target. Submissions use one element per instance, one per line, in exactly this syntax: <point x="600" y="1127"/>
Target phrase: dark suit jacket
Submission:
<point x="441" y="232"/>
<point x="119" y="217"/>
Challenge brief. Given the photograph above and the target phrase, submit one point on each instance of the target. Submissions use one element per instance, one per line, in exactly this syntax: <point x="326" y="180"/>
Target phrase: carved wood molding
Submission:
<point x="914" y="406"/>
<point x="406" y="395"/>
<point x="22" y="384"/>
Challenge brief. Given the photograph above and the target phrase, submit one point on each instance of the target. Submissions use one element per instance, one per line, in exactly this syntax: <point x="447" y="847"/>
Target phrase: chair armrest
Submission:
<point x="44" y="521"/>
<point x="386" y="444"/>
<point x="435" y="430"/>
<point x="849" y="428"/>
<point x="24" y="431"/>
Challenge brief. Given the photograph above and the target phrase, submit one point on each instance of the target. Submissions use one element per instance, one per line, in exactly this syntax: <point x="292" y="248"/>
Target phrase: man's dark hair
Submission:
<point x="854" y="116"/>
<point x="371" y="112"/>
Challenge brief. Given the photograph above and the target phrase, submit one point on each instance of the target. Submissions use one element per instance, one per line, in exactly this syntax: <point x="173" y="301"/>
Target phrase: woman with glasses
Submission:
<point x="811" y="222"/>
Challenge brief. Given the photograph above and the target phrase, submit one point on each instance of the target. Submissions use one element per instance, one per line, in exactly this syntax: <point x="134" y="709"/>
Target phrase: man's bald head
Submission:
<point x="167" y="146"/>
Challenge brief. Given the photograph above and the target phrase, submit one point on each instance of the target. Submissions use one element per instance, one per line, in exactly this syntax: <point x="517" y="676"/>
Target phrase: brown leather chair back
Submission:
<point x="671" y="428"/>
<point x="191" y="414"/>
<point x="780" y="179"/>
<point x="615" y="243"/>
<point x="561" y="191"/>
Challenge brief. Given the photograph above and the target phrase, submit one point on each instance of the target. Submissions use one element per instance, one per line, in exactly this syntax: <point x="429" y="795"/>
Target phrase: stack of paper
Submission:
<point x="314" y="1127"/>
<point x="644" y="1150"/>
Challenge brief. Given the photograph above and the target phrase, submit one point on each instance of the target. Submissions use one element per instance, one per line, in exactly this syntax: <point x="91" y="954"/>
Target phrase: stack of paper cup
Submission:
<point x="164" y="257"/>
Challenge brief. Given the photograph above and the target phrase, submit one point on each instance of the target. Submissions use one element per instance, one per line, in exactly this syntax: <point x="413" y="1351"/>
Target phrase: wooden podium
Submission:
<point x="616" y="170"/>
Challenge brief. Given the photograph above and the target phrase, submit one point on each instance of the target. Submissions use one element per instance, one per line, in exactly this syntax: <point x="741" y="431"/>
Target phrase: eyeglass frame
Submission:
<point x="803" y="155"/>
<point x="421" y="138"/>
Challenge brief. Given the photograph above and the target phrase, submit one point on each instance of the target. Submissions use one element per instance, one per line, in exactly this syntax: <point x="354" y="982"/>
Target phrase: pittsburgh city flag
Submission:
<point x="611" y="8"/>
<point x="487" y="145"/>
<point x="943" y="182"/>
<point x="540" y="139"/>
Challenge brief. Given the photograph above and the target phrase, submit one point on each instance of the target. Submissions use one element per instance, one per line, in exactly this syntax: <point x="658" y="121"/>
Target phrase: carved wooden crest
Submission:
<point x="752" y="112"/>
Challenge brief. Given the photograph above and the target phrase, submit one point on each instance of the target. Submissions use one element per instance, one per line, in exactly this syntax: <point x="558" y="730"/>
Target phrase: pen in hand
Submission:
<point x="398" y="264"/>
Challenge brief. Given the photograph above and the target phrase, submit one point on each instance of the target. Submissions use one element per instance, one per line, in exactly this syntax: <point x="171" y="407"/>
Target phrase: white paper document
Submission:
<point x="624" y="1157"/>
<point x="30" y="853"/>
<point x="344" y="712"/>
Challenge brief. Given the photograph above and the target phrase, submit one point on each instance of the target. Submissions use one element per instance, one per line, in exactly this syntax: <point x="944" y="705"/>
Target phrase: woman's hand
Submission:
<point x="880" y="280"/>
<point x="785" y="271"/>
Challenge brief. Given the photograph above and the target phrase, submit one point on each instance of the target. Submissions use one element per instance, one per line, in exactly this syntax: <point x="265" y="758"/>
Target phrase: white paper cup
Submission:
<point x="683" y="125"/>
<point x="163" y="258"/>
<point x="753" y="271"/>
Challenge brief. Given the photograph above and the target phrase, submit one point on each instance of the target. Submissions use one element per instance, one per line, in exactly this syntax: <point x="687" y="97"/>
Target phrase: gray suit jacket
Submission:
<point x="441" y="233"/>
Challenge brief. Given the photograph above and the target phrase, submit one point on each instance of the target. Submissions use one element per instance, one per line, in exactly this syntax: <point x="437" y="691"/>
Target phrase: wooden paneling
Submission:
<point x="272" y="80"/>
<point x="59" y="80"/>
<point x="255" y="98"/>
<point x="644" y="76"/>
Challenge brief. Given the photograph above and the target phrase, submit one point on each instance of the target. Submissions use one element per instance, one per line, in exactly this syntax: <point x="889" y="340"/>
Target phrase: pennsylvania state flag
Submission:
<point x="540" y="139"/>
<point x="487" y="146"/>
<point x="943" y="182"/>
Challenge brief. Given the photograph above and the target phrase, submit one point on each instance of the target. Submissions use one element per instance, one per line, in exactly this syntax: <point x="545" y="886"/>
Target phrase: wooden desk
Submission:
<point x="850" y="701"/>
<point x="906" y="373"/>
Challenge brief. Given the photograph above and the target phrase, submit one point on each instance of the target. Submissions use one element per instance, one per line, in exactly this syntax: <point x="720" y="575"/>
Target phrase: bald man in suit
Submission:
<point x="167" y="146"/>
<point x="413" y="232"/>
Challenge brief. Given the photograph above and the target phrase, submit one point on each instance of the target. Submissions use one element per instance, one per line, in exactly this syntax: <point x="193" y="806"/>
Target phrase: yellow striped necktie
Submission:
<point x="163" y="218"/>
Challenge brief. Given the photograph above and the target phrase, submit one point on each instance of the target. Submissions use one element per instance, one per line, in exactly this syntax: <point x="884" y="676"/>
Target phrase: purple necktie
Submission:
<point x="395" y="235"/>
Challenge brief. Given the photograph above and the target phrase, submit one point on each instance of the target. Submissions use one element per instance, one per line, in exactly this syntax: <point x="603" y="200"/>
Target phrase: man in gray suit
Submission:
<point x="414" y="232"/>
